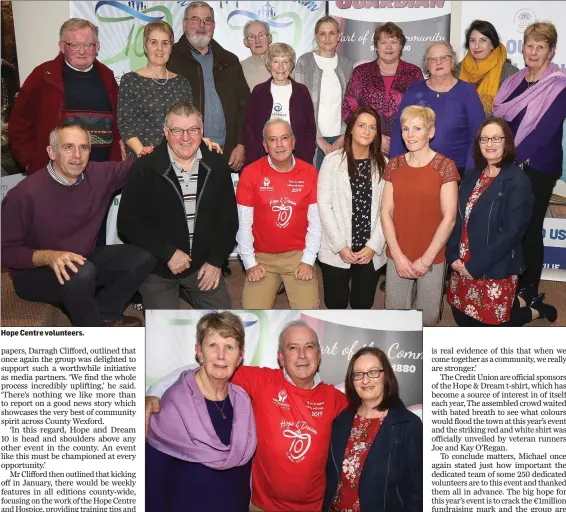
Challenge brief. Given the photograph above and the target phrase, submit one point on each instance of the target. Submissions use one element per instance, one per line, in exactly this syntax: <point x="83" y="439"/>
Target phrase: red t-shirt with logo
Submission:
<point x="293" y="436"/>
<point x="280" y="201"/>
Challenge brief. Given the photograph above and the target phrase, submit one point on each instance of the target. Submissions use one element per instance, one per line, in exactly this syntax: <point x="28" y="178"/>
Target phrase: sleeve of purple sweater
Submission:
<point x="115" y="173"/>
<point x="549" y="124"/>
<point x="476" y="117"/>
<point x="17" y="212"/>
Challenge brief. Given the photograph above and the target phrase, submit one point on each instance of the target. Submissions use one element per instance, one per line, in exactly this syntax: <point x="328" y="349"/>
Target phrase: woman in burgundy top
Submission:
<point x="375" y="458"/>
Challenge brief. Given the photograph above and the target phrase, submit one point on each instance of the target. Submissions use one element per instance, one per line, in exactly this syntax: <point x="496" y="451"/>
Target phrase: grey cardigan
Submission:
<point x="308" y="73"/>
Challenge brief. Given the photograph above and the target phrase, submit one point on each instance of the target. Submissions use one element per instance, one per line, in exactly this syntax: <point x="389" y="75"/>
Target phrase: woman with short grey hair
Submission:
<point x="280" y="97"/>
<point x="326" y="75"/>
<point x="456" y="104"/>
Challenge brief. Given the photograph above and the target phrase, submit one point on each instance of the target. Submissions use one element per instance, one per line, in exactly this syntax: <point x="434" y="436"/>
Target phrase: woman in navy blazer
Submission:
<point x="495" y="206"/>
<point x="375" y="459"/>
<point x="281" y="97"/>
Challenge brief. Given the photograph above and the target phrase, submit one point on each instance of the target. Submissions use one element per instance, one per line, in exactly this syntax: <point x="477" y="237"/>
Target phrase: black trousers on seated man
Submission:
<point x="99" y="291"/>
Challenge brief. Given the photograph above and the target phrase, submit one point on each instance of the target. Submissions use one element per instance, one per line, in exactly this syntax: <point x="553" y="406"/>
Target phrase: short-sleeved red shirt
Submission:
<point x="416" y="195"/>
<point x="280" y="201"/>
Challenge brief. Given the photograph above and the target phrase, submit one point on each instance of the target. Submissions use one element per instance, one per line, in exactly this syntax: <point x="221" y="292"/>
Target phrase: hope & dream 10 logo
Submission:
<point x="110" y="11"/>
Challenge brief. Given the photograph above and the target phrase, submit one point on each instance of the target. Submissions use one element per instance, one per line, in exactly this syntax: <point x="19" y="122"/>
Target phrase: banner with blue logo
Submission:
<point x="121" y="24"/>
<point x="171" y="338"/>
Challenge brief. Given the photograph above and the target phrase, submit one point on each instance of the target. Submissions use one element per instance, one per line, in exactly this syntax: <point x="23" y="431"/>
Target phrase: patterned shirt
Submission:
<point x="361" y="205"/>
<point x="188" y="179"/>
<point x="60" y="179"/>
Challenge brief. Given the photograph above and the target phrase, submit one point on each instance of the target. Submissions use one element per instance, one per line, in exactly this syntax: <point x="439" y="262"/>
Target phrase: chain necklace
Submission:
<point x="221" y="411"/>
<point x="156" y="79"/>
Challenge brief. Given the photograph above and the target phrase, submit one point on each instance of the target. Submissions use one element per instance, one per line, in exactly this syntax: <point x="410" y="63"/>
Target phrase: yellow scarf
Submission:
<point x="487" y="72"/>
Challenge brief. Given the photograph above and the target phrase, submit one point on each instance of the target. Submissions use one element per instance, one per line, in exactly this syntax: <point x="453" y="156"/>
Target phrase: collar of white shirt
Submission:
<point x="273" y="167"/>
<point x="317" y="379"/>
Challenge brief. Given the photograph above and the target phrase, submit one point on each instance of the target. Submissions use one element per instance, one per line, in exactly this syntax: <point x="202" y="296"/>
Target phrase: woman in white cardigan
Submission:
<point x="349" y="202"/>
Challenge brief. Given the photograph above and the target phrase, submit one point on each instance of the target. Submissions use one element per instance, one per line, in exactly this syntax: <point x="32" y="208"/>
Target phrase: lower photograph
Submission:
<point x="284" y="410"/>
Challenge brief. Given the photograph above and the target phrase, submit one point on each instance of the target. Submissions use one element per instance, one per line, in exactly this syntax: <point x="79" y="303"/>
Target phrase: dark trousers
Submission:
<point x="100" y="289"/>
<point x="355" y="285"/>
<point x="519" y="316"/>
<point x="533" y="246"/>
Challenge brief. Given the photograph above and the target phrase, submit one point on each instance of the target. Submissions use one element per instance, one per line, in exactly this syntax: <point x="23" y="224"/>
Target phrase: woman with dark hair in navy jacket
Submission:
<point x="485" y="252"/>
<point x="376" y="452"/>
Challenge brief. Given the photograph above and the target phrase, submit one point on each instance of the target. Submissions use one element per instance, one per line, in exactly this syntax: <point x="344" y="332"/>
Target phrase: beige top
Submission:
<point x="255" y="71"/>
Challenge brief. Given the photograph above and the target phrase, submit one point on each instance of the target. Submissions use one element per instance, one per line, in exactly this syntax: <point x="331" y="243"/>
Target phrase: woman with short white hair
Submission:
<point x="459" y="111"/>
<point x="280" y="97"/>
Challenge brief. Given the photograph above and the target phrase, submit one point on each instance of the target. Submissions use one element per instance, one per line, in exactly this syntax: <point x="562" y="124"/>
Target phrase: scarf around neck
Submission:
<point x="183" y="428"/>
<point x="537" y="99"/>
<point x="487" y="72"/>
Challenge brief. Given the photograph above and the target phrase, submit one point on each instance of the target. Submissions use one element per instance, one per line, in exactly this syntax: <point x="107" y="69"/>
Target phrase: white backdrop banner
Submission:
<point x="121" y="24"/>
<point x="170" y="342"/>
<point x="510" y="19"/>
<point x="422" y="23"/>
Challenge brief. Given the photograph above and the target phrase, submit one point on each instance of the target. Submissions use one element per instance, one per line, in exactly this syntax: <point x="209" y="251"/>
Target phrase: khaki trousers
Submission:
<point x="280" y="268"/>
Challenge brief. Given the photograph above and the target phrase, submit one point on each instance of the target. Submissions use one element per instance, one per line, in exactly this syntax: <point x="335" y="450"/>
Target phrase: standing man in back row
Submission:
<point x="217" y="80"/>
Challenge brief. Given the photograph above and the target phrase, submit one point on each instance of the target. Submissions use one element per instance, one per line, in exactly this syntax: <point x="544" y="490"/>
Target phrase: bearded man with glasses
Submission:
<point x="74" y="88"/>
<point x="179" y="205"/>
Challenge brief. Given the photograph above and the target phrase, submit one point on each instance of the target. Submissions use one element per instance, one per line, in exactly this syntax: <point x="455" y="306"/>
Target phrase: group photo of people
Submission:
<point x="314" y="432"/>
<point x="380" y="185"/>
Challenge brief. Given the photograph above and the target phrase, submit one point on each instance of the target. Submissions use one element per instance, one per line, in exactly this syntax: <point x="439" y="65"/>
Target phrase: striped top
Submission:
<point x="188" y="179"/>
<point x="60" y="179"/>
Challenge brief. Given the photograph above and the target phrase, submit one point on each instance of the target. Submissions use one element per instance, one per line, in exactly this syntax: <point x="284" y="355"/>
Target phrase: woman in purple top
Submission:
<point x="200" y="444"/>
<point x="533" y="102"/>
<point x="459" y="111"/>
<point x="280" y="97"/>
<point x="381" y="84"/>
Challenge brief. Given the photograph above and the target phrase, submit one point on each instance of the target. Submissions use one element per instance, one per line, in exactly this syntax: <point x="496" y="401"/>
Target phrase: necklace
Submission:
<point x="156" y="79"/>
<point x="221" y="410"/>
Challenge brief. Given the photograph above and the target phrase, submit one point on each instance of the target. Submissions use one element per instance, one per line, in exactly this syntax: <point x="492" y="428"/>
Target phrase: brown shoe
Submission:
<point x="125" y="321"/>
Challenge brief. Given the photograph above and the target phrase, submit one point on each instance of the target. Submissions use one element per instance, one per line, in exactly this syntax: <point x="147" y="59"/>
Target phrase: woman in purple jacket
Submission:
<point x="280" y="97"/>
<point x="200" y="444"/>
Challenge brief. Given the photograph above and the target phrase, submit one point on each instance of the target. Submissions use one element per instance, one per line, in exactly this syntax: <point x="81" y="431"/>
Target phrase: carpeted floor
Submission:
<point x="16" y="312"/>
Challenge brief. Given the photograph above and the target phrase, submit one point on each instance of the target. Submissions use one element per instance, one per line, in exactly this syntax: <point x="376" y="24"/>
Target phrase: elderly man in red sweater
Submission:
<point x="73" y="88"/>
<point x="50" y="223"/>
<point x="294" y="412"/>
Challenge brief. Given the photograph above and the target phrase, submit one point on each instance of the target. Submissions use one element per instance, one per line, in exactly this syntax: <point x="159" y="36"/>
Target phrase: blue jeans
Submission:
<point x="319" y="156"/>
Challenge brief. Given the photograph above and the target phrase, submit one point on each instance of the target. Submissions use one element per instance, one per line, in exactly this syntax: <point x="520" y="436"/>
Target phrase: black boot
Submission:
<point x="528" y="293"/>
<point x="547" y="311"/>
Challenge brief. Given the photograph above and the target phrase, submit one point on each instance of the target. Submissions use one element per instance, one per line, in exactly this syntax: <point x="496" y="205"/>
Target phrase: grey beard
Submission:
<point x="199" y="41"/>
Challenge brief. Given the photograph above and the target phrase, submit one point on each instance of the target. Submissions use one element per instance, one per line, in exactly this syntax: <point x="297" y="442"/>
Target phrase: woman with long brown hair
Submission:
<point x="349" y="202"/>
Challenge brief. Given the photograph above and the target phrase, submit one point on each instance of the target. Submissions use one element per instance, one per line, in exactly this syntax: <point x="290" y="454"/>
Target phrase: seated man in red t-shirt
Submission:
<point x="279" y="234"/>
<point x="294" y="412"/>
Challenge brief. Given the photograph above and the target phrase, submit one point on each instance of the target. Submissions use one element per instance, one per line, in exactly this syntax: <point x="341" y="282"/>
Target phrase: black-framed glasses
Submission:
<point x="195" y="20"/>
<point x="75" y="47"/>
<point x="372" y="374"/>
<point x="496" y="140"/>
<point x="179" y="132"/>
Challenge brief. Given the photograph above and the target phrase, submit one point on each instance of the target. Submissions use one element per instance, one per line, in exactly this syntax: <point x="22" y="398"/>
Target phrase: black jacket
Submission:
<point x="152" y="211"/>
<point x="229" y="81"/>
<point x="497" y="224"/>
<point x="392" y="476"/>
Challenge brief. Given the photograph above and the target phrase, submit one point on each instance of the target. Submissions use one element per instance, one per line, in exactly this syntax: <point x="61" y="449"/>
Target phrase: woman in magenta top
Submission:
<point x="381" y="84"/>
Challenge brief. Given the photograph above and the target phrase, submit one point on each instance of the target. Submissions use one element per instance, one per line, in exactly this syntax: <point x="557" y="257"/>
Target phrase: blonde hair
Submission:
<point x="449" y="49"/>
<point x="542" y="31"/>
<point x="416" y="111"/>
<point x="227" y="324"/>
<point x="77" y="24"/>
<point x="278" y="49"/>
<point x="160" y="26"/>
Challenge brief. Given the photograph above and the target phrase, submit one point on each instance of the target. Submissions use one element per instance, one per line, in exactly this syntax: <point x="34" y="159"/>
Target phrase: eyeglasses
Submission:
<point x="195" y="20"/>
<point x="440" y="58"/>
<point x="372" y="374"/>
<point x="75" y="47"/>
<point x="257" y="37"/>
<point x="496" y="140"/>
<point x="179" y="132"/>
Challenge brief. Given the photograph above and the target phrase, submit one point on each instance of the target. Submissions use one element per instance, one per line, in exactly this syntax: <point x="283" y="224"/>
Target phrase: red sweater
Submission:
<point x="293" y="437"/>
<point x="40" y="213"/>
<point x="40" y="107"/>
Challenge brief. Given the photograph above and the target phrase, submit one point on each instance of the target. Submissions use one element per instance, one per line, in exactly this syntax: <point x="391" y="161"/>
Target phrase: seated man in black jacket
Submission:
<point x="179" y="204"/>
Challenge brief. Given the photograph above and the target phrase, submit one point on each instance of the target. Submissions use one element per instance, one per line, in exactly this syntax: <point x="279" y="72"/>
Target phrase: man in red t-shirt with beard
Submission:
<point x="279" y="234"/>
<point x="294" y="412"/>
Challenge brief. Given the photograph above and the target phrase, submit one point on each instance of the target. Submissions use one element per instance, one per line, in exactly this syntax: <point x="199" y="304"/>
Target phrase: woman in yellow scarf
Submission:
<point x="485" y="65"/>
